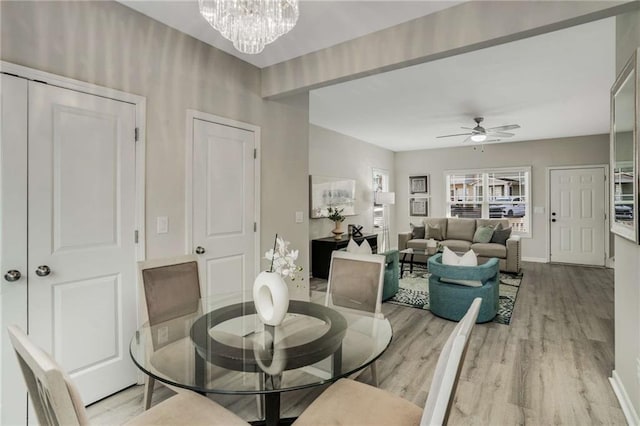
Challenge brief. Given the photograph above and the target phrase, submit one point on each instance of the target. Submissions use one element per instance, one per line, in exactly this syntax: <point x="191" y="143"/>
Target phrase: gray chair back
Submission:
<point x="356" y="281"/>
<point x="445" y="378"/>
<point x="55" y="398"/>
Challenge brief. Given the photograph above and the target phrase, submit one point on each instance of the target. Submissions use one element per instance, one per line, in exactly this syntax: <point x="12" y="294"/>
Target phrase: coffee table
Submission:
<point x="220" y="346"/>
<point x="407" y="256"/>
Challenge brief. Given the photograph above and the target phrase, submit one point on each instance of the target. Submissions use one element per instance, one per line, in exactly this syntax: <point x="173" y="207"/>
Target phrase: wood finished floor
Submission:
<point x="550" y="366"/>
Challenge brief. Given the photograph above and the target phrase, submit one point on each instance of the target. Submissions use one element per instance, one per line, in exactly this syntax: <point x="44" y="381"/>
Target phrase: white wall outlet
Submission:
<point x="163" y="335"/>
<point x="299" y="217"/>
<point x="162" y="224"/>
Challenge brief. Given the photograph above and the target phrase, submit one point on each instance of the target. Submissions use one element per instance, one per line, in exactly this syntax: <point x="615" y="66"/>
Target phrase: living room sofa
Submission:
<point x="457" y="234"/>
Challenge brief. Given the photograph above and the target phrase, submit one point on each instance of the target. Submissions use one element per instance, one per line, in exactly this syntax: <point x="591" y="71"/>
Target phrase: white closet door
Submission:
<point x="13" y="242"/>
<point x="81" y="229"/>
<point x="223" y="206"/>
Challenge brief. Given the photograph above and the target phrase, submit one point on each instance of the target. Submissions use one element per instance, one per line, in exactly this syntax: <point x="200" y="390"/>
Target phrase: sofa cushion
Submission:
<point x="441" y="222"/>
<point x="457" y="245"/>
<point x="490" y="250"/>
<point x="417" y="232"/>
<point x="493" y="222"/>
<point x="434" y="232"/>
<point x="500" y="236"/>
<point x="460" y="229"/>
<point x="418" y="243"/>
<point x="483" y="234"/>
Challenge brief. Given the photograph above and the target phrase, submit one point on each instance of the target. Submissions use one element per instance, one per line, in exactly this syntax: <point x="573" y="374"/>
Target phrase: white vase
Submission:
<point x="271" y="297"/>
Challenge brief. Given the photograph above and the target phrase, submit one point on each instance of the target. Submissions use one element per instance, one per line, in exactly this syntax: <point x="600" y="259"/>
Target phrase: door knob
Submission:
<point x="43" y="271"/>
<point x="12" y="275"/>
<point x="553" y="220"/>
<point x="553" y="214"/>
<point x="200" y="250"/>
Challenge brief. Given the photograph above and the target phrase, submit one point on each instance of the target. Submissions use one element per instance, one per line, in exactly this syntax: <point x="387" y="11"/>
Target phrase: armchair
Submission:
<point x="451" y="301"/>
<point x="391" y="274"/>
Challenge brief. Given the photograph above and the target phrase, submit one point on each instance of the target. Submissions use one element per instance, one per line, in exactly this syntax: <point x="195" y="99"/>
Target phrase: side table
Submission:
<point x="321" y="249"/>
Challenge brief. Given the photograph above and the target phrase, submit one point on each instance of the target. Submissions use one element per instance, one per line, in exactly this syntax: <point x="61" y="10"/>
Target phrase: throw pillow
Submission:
<point x="363" y="248"/>
<point x="450" y="258"/>
<point x="417" y="232"/>
<point x="483" y="234"/>
<point x="434" y="231"/>
<point x="501" y="236"/>
<point x="468" y="259"/>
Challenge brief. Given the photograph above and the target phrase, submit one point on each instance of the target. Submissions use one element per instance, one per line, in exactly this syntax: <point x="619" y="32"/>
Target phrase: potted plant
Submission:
<point x="336" y="216"/>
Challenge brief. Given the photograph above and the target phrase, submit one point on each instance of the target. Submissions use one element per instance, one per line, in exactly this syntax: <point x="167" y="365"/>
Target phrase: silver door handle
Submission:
<point x="43" y="271"/>
<point x="200" y="250"/>
<point x="12" y="275"/>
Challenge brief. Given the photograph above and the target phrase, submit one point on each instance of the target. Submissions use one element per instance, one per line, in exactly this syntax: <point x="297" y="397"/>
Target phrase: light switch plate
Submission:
<point x="162" y="224"/>
<point x="299" y="217"/>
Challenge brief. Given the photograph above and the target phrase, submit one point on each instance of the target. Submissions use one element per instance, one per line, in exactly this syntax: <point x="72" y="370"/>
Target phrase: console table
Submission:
<point x="321" y="249"/>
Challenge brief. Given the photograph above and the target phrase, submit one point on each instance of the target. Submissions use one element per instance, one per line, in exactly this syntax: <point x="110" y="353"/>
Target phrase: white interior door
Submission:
<point x="577" y="216"/>
<point x="13" y="242"/>
<point x="223" y="206"/>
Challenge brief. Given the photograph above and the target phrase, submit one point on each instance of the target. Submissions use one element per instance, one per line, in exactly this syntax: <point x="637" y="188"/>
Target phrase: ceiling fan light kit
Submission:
<point x="479" y="134"/>
<point x="250" y="24"/>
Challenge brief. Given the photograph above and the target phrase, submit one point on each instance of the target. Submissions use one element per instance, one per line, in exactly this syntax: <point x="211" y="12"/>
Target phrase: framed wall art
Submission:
<point x="419" y="184"/>
<point x="418" y="207"/>
<point x="326" y="191"/>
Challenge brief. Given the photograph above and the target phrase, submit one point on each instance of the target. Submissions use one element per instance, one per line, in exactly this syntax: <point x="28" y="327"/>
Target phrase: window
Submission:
<point x="380" y="183"/>
<point x="496" y="193"/>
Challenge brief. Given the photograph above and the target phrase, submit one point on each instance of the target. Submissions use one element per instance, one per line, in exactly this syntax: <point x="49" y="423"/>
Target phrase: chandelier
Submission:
<point x="250" y="24"/>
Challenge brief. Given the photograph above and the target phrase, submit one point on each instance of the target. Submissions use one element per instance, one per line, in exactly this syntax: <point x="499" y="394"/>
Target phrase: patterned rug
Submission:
<point x="414" y="292"/>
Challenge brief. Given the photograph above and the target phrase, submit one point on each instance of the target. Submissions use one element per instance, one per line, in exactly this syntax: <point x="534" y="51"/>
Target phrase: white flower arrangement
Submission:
<point x="283" y="260"/>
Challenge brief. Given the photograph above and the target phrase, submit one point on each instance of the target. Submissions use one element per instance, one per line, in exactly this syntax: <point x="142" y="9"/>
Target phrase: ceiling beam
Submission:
<point x="463" y="28"/>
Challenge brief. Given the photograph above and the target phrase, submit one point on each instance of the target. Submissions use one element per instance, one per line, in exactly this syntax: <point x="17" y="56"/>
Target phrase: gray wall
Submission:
<point x="627" y="265"/>
<point x="587" y="150"/>
<point x="338" y="155"/>
<point x="108" y="44"/>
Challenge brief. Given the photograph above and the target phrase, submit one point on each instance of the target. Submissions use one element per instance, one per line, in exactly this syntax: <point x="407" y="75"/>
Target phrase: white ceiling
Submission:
<point x="553" y="85"/>
<point x="322" y="23"/>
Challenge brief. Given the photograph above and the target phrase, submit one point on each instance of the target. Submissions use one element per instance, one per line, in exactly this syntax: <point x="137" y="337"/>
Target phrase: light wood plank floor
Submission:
<point x="550" y="366"/>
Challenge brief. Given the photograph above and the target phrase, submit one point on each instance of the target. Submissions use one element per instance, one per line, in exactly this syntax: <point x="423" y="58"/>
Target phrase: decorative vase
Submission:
<point x="337" y="231"/>
<point x="271" y="297"/>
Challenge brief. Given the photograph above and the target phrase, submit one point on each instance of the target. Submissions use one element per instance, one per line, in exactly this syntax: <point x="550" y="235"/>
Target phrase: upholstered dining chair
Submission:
<point x="356" y="282"/>
<point x="350" y="402"/>
<point x="56" y="399"/>
<point x="171" y="291"/>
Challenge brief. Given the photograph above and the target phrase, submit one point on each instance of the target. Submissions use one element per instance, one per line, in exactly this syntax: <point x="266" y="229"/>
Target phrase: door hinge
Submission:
<point x="255" y="153"/>
<point x="135" y="236"/>
<point x="255" y="227"/>
<point x="137" y="134"/>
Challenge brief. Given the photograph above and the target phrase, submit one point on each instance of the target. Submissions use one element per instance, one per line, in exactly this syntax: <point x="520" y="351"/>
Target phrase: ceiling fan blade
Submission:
<point x="459" y="134"/>
<point x="467" y="128"/>
<point x="501" y="134"/>
<point x="492" y="140"/>
<point x="501" y="128"/>
<point x="467" y="140"/>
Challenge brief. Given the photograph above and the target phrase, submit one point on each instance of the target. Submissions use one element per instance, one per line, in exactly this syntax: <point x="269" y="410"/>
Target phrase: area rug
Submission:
<point x="414" y="292"/>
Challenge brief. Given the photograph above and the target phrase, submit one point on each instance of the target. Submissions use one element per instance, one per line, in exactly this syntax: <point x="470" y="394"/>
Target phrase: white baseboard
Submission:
<point x="624" y="400"/>
<point x="535" y="259"/>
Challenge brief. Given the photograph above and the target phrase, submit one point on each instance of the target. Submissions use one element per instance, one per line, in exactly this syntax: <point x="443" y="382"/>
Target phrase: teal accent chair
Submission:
<point x="451" y="301"/>
<point x="391" y="274"/>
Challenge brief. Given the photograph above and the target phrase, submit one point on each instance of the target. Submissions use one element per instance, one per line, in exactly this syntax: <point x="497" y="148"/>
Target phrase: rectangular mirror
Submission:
<point x="624" y="152"/>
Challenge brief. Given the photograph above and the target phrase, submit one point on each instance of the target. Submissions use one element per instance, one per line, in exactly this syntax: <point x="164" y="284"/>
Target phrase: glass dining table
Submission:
<point x="219" y="345"/>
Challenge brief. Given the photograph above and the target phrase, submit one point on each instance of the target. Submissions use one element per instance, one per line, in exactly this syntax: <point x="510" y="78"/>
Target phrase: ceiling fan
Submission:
<point x="480" y="134"/>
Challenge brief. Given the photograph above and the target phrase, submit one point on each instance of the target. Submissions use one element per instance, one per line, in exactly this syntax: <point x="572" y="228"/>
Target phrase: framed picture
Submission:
<point x="325" y="192"/>
<point x="419" y="184"/>
<point x="418" y="207"/>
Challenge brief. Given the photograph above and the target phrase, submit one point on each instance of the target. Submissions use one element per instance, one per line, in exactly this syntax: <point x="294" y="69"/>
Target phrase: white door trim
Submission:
<point x="606" y="206"/>
<point x="140" y="103"/>
<point x="188" y="193"/>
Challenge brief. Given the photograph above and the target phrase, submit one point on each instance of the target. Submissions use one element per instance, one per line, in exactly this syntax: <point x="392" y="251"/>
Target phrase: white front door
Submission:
<point x="79" y="184"/>
<point x="577" y="216"/>
<point x="223" y="207"/>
